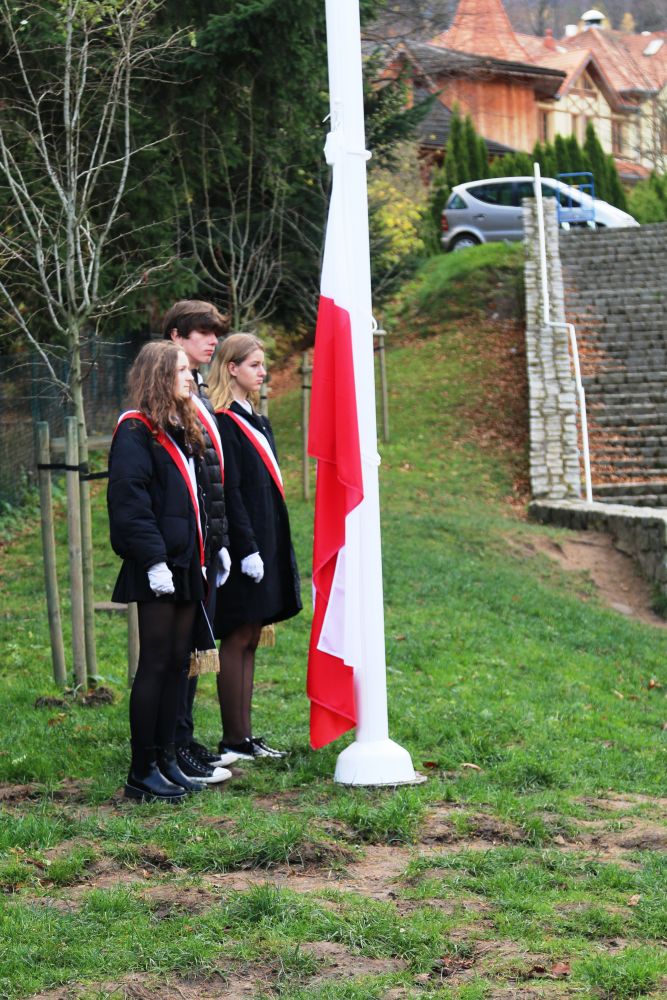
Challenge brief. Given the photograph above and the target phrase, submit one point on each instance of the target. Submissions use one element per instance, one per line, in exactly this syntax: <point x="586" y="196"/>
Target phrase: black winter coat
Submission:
<point x="151" y="519"/>
<point x="214" y="494"/>
<point x="258" y="522"/>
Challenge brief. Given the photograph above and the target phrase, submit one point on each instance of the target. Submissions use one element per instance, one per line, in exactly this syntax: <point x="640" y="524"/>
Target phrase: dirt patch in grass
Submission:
<point x="337" y="960"/>
<point x="69" y="790"/>
<point x="374" y="875"/>
<point x="140" y="987"/>
<point x="615" y="575"/>
<point x="234" y="982"/>
<point x="627" y="802"/>
<point x="169" y="898"/>
<point x="12" y="794"/>
<point x="479" y="830"/>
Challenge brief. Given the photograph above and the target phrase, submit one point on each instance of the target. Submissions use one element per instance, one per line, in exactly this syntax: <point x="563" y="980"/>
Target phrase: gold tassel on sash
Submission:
<point x="267" y="637"/>
<point x="204" y="657"/>
<point x="204" y="661"/>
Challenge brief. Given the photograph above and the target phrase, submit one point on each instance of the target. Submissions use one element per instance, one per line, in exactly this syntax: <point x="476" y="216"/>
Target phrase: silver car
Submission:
<point x="490" y="211"/>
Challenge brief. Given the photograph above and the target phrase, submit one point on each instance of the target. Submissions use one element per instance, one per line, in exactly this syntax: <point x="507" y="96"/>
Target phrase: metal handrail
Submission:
<point x="546" y="314"/>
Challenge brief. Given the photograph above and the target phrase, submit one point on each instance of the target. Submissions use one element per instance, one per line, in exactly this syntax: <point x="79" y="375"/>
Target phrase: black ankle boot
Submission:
<point x="170" y="768"/>
<point x="146" y="782"/>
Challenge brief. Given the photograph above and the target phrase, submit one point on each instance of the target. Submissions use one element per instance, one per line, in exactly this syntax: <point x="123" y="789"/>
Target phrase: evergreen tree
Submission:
<point x="597" y="162"/>
<point x="549" y="163"/>
<point x="477" y="159"/>
<point x="576" y="159"/>
<point x="457" y="165"/>
<point x="439" y="193"/>
<point x="616" y="192"/>
<point x="562" y="155"/>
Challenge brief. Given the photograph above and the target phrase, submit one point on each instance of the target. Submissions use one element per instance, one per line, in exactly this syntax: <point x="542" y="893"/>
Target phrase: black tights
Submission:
<point x="165" y="636"/>
<point x="235" y="681"/>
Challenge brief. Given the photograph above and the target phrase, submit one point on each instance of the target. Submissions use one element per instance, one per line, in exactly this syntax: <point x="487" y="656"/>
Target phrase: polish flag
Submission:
<point x="333" y="441"/>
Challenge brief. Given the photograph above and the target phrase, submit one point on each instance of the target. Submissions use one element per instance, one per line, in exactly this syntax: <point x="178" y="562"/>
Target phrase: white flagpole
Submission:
<point x="373" y="759"/>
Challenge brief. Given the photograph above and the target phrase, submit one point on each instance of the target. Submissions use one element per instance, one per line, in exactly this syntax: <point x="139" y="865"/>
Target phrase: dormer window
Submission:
<point x="654" y="46"/>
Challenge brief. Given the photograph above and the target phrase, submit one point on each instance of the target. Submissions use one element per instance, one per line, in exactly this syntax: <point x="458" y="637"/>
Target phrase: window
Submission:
<point x="524" y="189"/>
<point x="545" y="134"/>
<point x="617" y="137"/>
<point x="456" y="201"/>
<point x="493" y="194"/>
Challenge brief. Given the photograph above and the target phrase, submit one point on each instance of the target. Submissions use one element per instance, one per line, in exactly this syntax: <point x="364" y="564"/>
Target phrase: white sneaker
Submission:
<point x="219" y="774"/>
<point x="225" y="758"/>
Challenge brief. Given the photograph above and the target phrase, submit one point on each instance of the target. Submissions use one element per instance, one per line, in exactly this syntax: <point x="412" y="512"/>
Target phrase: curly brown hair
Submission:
<point x="151" y="384"/>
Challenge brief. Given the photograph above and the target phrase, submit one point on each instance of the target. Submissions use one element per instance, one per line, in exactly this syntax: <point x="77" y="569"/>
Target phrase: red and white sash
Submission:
<point x="211" y="426"/>
<point x="179" y="460"/>
<point x="259" y="441"/>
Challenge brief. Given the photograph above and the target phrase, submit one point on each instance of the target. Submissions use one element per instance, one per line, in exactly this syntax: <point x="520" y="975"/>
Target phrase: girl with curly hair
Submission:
<point x="158" y="527"/>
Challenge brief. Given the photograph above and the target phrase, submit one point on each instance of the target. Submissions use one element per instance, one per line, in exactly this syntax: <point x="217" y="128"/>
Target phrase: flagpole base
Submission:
<point x="377" y="762"/>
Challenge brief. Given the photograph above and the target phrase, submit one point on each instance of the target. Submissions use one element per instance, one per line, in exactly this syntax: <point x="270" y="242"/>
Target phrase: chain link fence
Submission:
<point x="28" y="394"/>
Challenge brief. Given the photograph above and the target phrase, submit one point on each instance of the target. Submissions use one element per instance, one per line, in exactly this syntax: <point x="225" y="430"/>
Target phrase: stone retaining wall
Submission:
<point x="640" y="532"/>
<point x="555" y="472"/>
<point x="554" y="452"/>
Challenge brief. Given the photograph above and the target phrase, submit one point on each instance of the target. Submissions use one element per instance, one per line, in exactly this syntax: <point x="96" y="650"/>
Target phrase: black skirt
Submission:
<point x="132" y="583"/>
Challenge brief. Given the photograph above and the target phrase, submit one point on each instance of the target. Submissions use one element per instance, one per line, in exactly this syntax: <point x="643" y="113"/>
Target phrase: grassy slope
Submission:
<point x="495" y="660"/>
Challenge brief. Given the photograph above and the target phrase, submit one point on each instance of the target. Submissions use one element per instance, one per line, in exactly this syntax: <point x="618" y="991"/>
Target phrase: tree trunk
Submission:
<point x="76" y="384"/>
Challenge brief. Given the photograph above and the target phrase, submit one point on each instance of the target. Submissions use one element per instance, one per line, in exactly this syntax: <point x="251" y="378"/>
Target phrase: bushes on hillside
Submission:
<point x="648" y="200"/>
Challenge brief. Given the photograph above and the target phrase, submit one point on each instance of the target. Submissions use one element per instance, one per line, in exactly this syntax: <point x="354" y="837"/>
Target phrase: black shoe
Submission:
<point x="147" y="784"/>
<point x="262" y="749"/>
<point x="169" y="766"/>
<point x="245" y="750"/>
<point x="209" y="758"/>
<point x="192" y="767"/>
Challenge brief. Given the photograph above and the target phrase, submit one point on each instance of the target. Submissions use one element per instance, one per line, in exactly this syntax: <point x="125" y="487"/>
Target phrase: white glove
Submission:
<point x="253" y="566"/>
<point x="160" y="579"/>
<point x="224" y="566"/>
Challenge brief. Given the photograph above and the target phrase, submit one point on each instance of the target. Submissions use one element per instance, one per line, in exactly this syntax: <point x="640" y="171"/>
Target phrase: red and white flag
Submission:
<point x="333" y="441"/>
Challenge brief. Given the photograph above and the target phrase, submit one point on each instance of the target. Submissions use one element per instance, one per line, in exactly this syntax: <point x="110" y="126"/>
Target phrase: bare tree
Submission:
<point x="234" y="236"/>
<point x="410" y="20"/>
<point x="69" y="78"/>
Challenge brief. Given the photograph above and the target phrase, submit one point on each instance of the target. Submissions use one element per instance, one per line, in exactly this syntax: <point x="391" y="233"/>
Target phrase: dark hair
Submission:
<point x="151" y="387"/>
<point x="187" y="315"/>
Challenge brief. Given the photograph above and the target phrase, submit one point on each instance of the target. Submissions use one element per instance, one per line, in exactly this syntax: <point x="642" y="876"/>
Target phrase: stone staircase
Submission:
<point x="616" y="295"/>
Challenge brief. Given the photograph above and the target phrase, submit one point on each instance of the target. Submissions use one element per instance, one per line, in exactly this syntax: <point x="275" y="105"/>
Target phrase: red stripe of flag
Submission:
<point x="334" y="441"/>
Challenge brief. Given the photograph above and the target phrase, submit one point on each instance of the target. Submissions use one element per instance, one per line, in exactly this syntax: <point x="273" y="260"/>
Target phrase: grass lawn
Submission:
<point x="531" y="863"/>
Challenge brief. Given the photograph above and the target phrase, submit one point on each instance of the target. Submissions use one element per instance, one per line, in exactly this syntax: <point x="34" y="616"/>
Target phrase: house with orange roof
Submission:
<point x="480" y="65"/>
<point x="636" y="66"/>
<point x="521" y="88"/>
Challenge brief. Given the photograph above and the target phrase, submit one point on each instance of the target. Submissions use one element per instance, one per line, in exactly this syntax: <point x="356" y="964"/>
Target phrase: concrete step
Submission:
<point x="604" y="451"/>
<point x="650" y="377"/>
<point x="602" y="394"/>
<point x="612" y="439"/>
<point x="620" y="298"/>
<point x="631" y="489"/>
<point x="633" y="468"/>
<point x="585" y="266"/>
<point x="645" y="500"/>
<point x="620" y="418"/>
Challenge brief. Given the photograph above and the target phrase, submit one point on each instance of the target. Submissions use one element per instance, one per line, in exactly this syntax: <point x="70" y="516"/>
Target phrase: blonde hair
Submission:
<point x="151" y="385"/>
<point x="234" y="349"/>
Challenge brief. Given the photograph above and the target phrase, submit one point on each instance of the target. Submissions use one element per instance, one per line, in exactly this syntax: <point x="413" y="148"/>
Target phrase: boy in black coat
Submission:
<point x="195" y="326"/>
